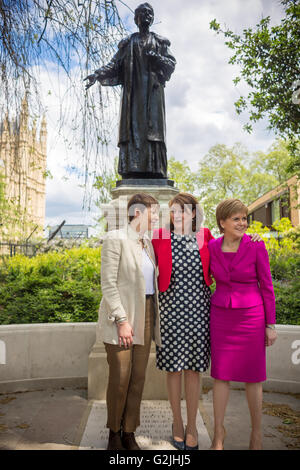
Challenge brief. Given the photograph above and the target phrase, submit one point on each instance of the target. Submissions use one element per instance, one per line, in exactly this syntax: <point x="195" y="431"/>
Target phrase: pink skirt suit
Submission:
<point x="241" y="306"/>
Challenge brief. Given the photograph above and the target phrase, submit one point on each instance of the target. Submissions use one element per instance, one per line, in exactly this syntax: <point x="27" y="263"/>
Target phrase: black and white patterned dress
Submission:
<point x="184" y="311"/>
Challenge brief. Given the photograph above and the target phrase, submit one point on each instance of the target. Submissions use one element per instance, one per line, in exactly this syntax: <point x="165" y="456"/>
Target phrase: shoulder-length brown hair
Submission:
<point x="186" y="200"/>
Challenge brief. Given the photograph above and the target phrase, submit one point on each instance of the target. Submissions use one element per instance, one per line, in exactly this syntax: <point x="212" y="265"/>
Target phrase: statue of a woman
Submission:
<point x="142" y="66"/>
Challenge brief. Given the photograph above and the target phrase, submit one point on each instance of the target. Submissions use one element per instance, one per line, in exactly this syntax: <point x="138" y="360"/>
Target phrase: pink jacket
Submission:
<point x="247" y="281"/>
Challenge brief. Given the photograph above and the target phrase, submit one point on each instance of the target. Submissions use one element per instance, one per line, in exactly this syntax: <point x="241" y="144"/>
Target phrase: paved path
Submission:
<point x="65" y="419"/>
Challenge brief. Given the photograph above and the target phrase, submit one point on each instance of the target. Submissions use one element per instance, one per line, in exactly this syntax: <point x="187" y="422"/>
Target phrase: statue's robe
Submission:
<point x="142" y="129"/>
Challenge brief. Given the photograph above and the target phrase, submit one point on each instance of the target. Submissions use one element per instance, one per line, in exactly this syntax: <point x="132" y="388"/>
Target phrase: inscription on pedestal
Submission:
<point x="154" y="432"/>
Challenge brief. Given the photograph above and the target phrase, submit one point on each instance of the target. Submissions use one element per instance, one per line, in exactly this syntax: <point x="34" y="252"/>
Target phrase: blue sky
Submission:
<point x="199" y="97"/>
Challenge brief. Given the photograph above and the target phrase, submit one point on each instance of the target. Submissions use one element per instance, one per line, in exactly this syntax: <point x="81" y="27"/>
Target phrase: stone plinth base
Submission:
<point x="153" y="433"/>
<point x="145" y="182"/>
<point x="116" y="211"/>
<point x="155" y="385"/>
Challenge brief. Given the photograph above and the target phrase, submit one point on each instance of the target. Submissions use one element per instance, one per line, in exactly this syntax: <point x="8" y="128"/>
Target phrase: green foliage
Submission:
<point x="104" y="184"/>
<point x="284" y="254"/>
<point x="269" y="60"/>
<point x="282" y="225"/>
<point x="227" y="172"/>
<point x="294" y="235"/>
<point x="275" y="162"/>
<point x="287" y="302"/>
<point x="52" y="287"/>
<point x="280" y="242"/>
<point x="258" y="227"/>
<point x="64" y="286"/>
<point x="181" y="173"/>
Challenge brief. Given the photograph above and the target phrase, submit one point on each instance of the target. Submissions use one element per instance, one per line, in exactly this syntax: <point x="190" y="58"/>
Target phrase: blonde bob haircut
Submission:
<point x="188" y="202"/>
<point x="227" y="208"/>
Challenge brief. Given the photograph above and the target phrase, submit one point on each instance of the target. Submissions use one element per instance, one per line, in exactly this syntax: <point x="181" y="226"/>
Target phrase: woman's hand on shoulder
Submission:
<point x="125" y="334"/>
<point x="255" y="237"/>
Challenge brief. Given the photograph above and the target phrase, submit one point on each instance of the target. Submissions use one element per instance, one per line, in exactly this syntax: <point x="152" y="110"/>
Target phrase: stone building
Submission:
<point x="23" y="156"/>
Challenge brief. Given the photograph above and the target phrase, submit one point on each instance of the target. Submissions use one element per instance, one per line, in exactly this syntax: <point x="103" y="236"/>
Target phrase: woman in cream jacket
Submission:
<point x="128" y="317"/>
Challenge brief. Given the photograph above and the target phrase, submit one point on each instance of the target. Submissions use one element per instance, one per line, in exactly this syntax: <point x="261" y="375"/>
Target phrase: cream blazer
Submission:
<point x="123" y="286"/>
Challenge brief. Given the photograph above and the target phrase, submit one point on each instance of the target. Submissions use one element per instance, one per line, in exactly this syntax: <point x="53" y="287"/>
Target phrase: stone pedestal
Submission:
<point x="155" y="384"/>
<point x="116" y="211"/>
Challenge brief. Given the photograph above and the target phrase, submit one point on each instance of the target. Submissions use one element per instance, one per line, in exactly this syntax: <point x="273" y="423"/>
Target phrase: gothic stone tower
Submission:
<point x="23" y="155"/>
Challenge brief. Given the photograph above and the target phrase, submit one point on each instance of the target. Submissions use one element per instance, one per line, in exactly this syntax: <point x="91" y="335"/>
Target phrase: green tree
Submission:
<point x="284" y="254"/>
<point x="234" y="173"/>
<point x="182" y="174"/>
<point x="68" y="39"/>
<point x="104" y="184"/>
<point x="275" y="162"/>
<point x="269" y="60"/>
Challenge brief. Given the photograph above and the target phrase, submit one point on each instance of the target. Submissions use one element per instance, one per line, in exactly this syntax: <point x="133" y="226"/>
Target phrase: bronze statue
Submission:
<point x="142" y="66"/>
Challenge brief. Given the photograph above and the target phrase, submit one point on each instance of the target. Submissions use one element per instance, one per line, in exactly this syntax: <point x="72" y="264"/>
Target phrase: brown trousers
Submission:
<point x="127" y="371"/>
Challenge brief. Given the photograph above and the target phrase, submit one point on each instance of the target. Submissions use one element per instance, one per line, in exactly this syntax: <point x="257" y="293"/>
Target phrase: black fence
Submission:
<point x="11" y="249"/>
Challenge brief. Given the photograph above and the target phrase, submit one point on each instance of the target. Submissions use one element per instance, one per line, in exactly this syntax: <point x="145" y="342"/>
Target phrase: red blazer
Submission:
<point x="161" y="242"/>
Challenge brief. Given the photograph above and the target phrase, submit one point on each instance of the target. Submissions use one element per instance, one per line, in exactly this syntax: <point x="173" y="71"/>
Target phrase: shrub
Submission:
<point x="283" y="247"/>
<point x="52" y="287"/>
<point x="63" y="285"/>
<point x="287" y="302"/>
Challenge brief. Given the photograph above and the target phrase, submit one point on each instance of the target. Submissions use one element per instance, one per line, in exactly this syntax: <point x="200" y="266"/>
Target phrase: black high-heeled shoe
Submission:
<point x="179" y="445"/>
<point x="196" y="447"/>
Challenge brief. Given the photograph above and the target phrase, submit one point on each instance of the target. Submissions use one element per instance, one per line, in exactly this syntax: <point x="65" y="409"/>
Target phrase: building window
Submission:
<point x="285" y="205"/>
<point x="275" y="210"/>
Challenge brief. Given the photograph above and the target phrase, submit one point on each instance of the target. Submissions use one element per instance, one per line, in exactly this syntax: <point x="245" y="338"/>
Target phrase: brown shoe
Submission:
<point x="114" y="441"/>
<point x="129" y="442"/>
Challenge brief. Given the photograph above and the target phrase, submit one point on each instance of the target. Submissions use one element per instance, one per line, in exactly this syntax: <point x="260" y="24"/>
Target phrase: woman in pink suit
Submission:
<point x="242" y="316"/>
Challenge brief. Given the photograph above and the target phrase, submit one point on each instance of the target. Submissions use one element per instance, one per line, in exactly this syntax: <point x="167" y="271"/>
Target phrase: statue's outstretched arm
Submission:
<point x="111" y="70"/>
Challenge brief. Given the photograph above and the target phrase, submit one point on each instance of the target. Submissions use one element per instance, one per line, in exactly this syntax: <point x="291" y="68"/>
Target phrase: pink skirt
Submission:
<point x="238" y="351"/>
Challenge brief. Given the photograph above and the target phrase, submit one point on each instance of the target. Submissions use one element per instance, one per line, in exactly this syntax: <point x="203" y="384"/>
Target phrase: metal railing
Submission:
<point x="11" y="249"/>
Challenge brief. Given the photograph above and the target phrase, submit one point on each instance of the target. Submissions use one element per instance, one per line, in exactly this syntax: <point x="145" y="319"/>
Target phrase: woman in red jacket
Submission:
<point x="184" y="298"/>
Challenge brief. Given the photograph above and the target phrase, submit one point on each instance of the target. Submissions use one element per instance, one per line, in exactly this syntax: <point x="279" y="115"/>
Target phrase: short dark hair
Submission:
<point x="139" y="201"/>
<point x="186" y="199"/>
